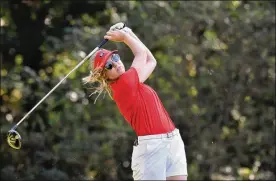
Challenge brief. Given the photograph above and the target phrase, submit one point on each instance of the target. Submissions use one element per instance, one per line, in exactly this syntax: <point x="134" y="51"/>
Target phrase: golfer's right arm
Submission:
<point x="150" y="57"/>
<point x="140" y="62"/>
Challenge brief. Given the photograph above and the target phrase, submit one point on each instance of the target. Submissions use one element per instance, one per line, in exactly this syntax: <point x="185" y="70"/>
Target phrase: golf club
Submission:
<point x="13" y="137"/>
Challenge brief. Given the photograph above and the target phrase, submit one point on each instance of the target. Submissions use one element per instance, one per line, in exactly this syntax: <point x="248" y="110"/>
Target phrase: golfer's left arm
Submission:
<point x="150" y="62"/>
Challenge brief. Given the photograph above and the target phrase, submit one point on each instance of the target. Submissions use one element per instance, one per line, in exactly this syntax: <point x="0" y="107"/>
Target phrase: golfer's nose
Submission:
<point x="115" y="64"/>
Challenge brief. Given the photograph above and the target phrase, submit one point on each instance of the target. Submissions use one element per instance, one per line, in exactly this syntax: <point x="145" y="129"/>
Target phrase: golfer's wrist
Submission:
<point x="126" y="38"/>
<point x="127" y="30"/>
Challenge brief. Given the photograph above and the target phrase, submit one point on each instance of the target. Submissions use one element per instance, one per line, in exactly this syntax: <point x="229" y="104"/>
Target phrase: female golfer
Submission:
<point x="158" y="152"/>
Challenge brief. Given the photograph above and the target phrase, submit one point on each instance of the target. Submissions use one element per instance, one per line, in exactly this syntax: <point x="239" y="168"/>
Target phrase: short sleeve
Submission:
<point x="127" y="85"/>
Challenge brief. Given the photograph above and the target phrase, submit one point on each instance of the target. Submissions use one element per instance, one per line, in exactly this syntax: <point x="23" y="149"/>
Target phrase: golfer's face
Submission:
<point x="114" y="68"/>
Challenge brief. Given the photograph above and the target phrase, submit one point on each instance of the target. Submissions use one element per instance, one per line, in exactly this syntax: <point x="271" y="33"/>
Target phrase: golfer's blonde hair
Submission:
<point x="98" y="79"/>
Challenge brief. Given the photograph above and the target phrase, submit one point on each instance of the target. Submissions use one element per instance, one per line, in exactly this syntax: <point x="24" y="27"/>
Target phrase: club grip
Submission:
<point x="106" y="40"/>
<point x="102" y="43"/>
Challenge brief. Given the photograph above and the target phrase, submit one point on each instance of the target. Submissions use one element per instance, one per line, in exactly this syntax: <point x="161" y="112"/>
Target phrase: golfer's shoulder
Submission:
<point x="130" y="75"/>
<point x="129" y="79"/>
<point x="132" y="71"/>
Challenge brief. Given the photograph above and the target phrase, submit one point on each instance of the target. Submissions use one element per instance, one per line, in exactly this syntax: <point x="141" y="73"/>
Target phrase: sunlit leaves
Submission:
<point x="33" y="16"/>
<point x="271" y="70"/>
<point x="3" y="22"/>
<point x="18" y="59"/>
<point x="235" y="113"/>
<point x="192" y="91"/>
<point x="213" y="41"/>
<point x="247" y="98"/>
<point x="177" y="59"/>
<point x="195" y="109"/>
<point x="244" y="172"/>
<point x="15" y="95"/>
<point x="166" y="41"/>
<point x="144" y="15"/>
<point x="225" y="132"/>
<point x="166" y="85"/>
<point x="58" y="10"/>
<point x="88" y="20"/>
<point x="165" y="61"/>
<point x="4" y="72"/>
<point x="191" y="68"/>
<point x="65" y="63"/>
<point x="235" y="4"/>
<point x="210" y="35"/>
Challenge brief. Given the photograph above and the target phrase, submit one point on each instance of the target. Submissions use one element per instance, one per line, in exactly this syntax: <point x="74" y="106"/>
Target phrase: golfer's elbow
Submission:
<point x="151" y="60"/>
<point x="154" y="62"/>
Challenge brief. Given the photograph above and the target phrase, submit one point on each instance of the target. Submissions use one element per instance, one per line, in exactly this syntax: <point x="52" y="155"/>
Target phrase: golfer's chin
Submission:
<point x="120" y="71"/>
<point x="116" y="74"/>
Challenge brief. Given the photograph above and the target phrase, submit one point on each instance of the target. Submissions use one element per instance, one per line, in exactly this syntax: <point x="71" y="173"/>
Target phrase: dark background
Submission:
<point x="215" y="76"/>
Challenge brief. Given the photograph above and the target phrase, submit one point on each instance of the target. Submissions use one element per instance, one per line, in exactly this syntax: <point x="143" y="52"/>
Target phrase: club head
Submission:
<point x="14" y="139"/>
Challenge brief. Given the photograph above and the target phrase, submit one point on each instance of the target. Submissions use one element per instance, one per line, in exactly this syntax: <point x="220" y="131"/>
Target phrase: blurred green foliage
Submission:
<point x="215" y="76"/>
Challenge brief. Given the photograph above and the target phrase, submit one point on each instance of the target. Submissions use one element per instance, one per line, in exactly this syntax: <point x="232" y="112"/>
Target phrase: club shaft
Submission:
<point x="89" y="55"/>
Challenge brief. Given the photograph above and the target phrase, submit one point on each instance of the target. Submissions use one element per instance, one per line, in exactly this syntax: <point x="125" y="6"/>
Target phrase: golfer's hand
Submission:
<point x="127" y="30"/>
<point x="116" y="36"/>
<point x="120" y="26"/>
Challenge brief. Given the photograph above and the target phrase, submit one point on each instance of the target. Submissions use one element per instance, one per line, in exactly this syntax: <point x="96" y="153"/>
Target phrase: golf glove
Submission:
<point x="117" y="26"/>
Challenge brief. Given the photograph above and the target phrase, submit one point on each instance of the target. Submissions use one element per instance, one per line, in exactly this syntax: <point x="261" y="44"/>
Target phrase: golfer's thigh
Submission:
<point x="138" y="161"/>
<point x="177" y="162"/>
<point x="151" y="164"/>
<point x="155" y="162"/>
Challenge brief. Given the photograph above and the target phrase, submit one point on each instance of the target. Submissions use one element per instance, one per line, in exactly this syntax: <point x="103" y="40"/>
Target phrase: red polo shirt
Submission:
<point x="140" y="105"/>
